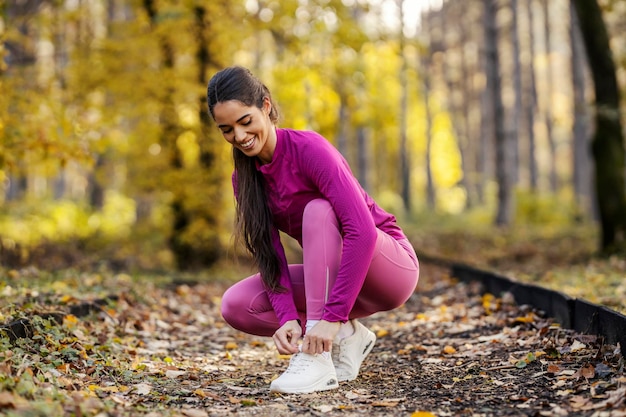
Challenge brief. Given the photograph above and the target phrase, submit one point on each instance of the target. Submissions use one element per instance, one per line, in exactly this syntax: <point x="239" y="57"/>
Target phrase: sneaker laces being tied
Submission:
<point x="300" y="362"/>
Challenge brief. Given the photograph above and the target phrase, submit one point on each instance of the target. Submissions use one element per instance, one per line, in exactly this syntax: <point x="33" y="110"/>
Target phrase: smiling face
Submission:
<point x="247" y="128"/>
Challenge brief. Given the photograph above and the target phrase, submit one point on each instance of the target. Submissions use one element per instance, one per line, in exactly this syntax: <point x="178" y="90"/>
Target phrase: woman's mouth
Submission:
<point x="247" y="145"/>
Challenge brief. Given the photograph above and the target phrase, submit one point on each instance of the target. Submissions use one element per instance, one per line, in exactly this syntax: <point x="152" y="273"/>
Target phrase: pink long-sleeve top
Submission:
<point x="304" y="167"/>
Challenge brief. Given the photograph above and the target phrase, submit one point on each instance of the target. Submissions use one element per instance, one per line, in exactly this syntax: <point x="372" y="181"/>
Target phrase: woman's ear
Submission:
<point x="267" y="105"/>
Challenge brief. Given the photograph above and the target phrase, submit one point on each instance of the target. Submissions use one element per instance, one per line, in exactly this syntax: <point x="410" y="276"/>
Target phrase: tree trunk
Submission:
<point x="547" y="112"/>
<point x="608" y="139"/>
<point x="362" y="157"/>
<point x="517" y="86"/>
<point x="95" y="187"/>
<point x="405" y="168"/>
<point x="457" y="94"/>
<point x="503" y="161"/>
<point x="582" y="159"/>
<point x="425" y="66"/>
<point x="183" y="252"/>
<point x="342" y="120"/>
<point x="531" y="102"/>
<point x="209" y="251"/>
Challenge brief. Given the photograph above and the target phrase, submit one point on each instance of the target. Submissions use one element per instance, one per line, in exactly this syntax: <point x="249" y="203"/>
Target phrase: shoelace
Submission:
<point x="299" y="363"/>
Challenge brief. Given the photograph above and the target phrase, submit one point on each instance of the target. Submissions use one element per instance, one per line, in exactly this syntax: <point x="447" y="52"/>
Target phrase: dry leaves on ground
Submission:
<point x="163" y="350"/>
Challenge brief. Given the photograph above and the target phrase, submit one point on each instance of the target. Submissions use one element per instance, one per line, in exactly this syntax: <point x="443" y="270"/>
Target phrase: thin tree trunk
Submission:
<point x="582" y="170"/>
<point x="517" y="85"/>
<point x="425" y="66"/>
<point x="531" y="102"/>
<point x="431" y="194"/>
<point x="457" y="102"/>
<point x="485" y="157"/>
<point x="405" y="168"/>
<point x="547" y="111"/>
<point x="342" y="117"/>
<point x="96" y="189"/>
<point x="469" y="177"/>
<point x="362" y="157"/>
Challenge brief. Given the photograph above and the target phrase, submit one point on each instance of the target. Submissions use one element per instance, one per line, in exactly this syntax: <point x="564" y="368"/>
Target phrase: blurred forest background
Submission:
<point x="477" y="115"/>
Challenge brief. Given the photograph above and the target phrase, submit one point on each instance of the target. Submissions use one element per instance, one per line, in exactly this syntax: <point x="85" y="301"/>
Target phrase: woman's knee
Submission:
<point x="316" y="214"/>
<point x="231" y="306"/>
<point x="316" y="208"/>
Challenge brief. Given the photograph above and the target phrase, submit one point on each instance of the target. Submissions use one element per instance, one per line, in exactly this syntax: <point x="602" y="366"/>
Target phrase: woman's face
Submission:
<point x="247" y="128"/>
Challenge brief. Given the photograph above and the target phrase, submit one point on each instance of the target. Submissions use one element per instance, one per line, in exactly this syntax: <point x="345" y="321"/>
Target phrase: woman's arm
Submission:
<point x="329" y="171"/>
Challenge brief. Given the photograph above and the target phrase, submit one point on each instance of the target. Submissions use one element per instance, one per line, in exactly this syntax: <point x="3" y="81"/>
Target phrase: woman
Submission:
<point x="356" y="260"/>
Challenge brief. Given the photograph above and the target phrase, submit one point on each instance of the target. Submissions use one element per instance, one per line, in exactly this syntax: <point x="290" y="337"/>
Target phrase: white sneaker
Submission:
<point x="348" y="353"/>
<point x="307" y="373"/>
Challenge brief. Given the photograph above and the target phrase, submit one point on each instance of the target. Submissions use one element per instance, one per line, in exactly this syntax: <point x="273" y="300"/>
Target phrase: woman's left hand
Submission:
<point x="320" y="338"/>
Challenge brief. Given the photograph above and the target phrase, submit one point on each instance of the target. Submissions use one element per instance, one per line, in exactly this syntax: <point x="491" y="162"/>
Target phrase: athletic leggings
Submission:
<point x="390" y="280"/>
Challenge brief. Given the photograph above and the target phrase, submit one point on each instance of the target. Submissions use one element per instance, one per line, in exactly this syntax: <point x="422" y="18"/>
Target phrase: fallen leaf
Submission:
<point x="449" y="350"/>
<point x="616" y="399"/>
<point x="204" y="394"/>
<point x="66" y="299"/>
<point x="174" y="374"/>
<point x="553" y="369"/>
<point x="351" y="395"/>
<point x="603" y="371"/>
<point x="566" y="372"/>
<point x="70" y="320"/>
<point x="528" y="318"/>
<point x="576" y="346"/>
<point x="325" y="408"/>
<point x="64" y="367"/>
<point x="588" y="371"/>
<point x="142" y="389"/>
<point x="120" y="400"/>
<point x="487" y="299"/>
<point x="387" y="402"/>
<point x="111" y="388"/>
<point x="192" y="412"/>
<point x="9" y="400"/>
<point x="423" y="414"/>
<point x="577" y="402"/>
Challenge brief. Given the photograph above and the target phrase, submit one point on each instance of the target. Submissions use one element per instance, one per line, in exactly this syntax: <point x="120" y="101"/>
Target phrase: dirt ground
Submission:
<point x="449" y="351"/>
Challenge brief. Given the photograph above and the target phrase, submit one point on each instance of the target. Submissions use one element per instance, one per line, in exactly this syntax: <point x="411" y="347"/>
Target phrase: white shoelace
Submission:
<point x="300" y="362"/>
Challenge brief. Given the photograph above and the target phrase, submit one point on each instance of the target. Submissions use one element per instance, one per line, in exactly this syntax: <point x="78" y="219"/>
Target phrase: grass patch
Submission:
<point x="562" y="258"/>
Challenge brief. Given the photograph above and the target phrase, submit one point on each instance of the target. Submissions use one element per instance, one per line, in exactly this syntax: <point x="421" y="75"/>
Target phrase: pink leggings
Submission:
<point x="390" y="281"/>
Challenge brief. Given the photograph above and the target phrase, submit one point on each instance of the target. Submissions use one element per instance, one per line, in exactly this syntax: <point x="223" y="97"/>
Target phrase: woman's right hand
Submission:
<point x="287" y="336"/>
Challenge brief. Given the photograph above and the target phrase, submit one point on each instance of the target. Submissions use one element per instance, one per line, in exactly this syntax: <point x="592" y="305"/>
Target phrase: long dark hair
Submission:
<point x="253" y="215"/>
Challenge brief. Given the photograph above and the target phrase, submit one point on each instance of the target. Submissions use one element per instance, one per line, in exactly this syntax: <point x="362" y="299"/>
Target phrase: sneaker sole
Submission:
<point x="315" y="387"/>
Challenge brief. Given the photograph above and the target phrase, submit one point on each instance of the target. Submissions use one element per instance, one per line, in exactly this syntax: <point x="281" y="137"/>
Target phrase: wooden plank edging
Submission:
<point x="572" y="313"/>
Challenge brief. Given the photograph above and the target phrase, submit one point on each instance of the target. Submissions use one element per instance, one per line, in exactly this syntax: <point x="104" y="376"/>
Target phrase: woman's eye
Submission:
<point x="226" y="131"/>
<point x="247" y="122"/>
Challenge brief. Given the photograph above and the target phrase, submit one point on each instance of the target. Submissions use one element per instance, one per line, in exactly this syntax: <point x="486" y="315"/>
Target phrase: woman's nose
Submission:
<point x="240" y="134"/>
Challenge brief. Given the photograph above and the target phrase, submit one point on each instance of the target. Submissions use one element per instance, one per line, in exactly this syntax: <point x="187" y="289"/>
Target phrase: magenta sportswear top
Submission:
<point x="305" y="166"/>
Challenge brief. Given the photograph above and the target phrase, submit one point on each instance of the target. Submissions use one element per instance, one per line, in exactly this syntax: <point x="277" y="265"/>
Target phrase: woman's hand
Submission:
<point x="287" y="336"/>
<point x="320" y="338"/>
